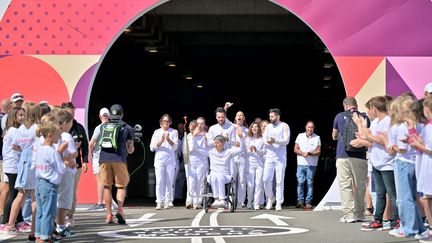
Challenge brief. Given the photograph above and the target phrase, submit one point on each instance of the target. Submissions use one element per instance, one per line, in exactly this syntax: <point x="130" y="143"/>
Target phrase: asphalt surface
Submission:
<point x="195" y="226"/>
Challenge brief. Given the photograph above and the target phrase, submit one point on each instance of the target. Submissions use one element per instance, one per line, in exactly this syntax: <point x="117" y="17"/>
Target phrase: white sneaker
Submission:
<point x="170" y="205"/>
<point x="221" y="204"/>
<point x="249" y="205"/>
<point x="197" y="206"/>
<point x="256" y="207"/>
<point x="239" y="205"/>
<point x="278" y="207"/>
<point x="270" y="203"/>
<point x="159" y="206"/>
<point x="215" y="203"/>
<point x="69" y="222"/>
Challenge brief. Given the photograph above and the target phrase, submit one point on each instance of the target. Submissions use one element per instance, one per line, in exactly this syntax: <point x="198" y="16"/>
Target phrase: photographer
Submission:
<point x="113" y="163"/>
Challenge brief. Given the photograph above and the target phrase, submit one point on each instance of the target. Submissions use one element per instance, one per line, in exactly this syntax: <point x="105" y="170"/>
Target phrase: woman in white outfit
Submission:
<point x="198" y="161"/>
<point x="220" y="159"/>
<point x="256" y="150"/>
<point x="164" y="142"/>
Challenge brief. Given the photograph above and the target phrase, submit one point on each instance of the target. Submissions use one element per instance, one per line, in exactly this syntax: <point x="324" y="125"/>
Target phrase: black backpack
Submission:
<point x="349" y="132"/>
<point x="110" y="133"/>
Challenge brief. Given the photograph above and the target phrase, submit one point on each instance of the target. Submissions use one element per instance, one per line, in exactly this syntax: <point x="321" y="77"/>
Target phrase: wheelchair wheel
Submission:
<point x="233" y="194"/>
<point x="205" y="198"/>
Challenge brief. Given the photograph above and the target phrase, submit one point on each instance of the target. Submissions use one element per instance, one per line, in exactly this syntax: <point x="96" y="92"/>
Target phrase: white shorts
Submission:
<point x="65" y="191"/>
<point x="95" y="163"/>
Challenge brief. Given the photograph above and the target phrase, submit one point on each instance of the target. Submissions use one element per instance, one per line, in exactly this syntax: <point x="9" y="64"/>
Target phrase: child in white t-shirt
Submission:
<point x="49" y="170"/>
<point x="65" y="190"/>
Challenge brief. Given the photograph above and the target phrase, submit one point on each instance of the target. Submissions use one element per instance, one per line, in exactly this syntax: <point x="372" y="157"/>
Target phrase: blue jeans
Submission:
<point x="406" y="189"/>
<point x="305" y="173"/>
<point x="27" y="208"/>
<point x="46" y="208"/>
<point x="384" y="183"/>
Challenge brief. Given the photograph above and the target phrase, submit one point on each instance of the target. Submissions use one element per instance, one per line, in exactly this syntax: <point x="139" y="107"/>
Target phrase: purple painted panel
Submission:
<point x="369" y="27"/>
<point x="395" y="85"/>
<point x="80" y="93"/>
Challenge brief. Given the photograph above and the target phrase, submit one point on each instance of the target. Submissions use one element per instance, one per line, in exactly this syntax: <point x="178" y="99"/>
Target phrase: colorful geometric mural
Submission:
<point x="50" y="50"/>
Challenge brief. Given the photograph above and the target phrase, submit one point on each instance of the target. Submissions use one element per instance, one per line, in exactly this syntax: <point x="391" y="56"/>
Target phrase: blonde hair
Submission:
<point x="406" y="107"/>
<point x="48" y="128"/>
<point x="45" y="120"/>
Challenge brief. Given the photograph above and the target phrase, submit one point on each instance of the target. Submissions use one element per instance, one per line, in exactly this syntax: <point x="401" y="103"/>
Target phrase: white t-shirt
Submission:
<point x="308" y="144"/>
<point x="255" y="158"/>
<point x="49" y="165"/>
<point x="96" y="135"/>
<point x="424" y="175"/>
<point x="25" y="137"/>
<point x="66" y="137"/>
<point x="277" y="150"/>
<point x="165" y="154"/>
<point x="411" y="154"/>
<point x="380" y="158"/>
<point x="196" y="158"/>
<point x="227" y="129"/>
<point x="10" y="156"/>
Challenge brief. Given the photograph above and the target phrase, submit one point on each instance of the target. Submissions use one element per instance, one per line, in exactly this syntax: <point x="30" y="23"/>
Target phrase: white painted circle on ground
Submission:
<point x="187" y="232"/>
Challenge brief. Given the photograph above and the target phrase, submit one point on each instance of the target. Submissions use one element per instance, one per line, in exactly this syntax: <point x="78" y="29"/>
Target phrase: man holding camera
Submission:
<point x="113" y="165"/>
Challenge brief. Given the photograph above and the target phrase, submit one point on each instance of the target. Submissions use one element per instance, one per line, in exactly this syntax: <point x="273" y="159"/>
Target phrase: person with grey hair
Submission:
<point x="220" y="160"/>
<point x="351" y="168"/>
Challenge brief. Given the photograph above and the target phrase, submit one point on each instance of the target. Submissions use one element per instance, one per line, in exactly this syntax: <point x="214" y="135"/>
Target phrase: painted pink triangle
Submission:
<point x="416" y="72"/>
<point x="395" y="85"/>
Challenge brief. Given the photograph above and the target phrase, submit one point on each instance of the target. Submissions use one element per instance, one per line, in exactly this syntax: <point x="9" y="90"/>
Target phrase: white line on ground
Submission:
<point x="276" y="219"/>
<point x="195" y="223"/>
<point x="213" y="222"/>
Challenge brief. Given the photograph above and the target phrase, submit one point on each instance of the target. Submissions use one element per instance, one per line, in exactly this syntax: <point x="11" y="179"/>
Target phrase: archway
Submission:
<point x="220" y="55"/>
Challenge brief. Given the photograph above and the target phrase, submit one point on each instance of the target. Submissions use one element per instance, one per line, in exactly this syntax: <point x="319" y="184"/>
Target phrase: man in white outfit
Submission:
<point x="276" y="137"/>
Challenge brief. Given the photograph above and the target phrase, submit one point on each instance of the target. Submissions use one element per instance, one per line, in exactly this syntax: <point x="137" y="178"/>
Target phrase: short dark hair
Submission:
<point x="67" y="105"/>
<point x="275" y="110"/>
<point x="220" y="109"/>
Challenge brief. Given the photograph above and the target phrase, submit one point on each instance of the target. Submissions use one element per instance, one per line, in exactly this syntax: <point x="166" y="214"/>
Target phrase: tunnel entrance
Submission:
<point x="192" y="56"/>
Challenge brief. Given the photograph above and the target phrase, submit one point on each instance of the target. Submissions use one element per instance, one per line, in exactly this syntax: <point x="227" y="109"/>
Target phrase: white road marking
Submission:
<point x="213" y="222"/>
<point x="145" y="219"/>
<point x="276" y="219"/>
<point x="196" y="223"/>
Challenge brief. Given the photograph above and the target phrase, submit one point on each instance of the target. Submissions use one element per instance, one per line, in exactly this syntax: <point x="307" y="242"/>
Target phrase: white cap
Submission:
<point x="16" y="97"/>
<point x="104" y="111"/>
<point x="43" y="102"/>
<point x="428" y="87"/>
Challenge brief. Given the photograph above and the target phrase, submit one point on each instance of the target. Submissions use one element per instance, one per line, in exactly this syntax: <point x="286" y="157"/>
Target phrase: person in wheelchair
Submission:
<point x="220" y="163"/>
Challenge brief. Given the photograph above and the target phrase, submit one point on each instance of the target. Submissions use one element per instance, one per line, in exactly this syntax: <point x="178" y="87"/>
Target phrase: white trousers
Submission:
<point x="255" y="184"/>
<point x="217" y="182"/>
<point x="164" y="186"/>
<point x="197" y="175"/>
<point x="270" y="167"/>
<point x="239" y="169"/>
<point x="188" y="187"/>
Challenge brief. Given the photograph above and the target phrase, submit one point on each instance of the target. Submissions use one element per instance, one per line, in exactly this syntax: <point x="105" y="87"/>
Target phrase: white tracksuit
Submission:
<point x="275" y="159"/>
<point x="256" y="169"/>
<point x="198" y="167"/>
<point x="239" y="170"/>
<point x="164" y="162"/>
<point x="220" y="173"/>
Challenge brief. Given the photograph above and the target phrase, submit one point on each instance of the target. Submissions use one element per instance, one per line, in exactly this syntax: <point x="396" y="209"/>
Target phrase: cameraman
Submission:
<point x="113" y="165"/>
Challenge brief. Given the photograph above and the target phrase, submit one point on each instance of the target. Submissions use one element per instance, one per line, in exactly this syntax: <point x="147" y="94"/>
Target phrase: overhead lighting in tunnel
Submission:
<point x="151" y="49"/>
<point x="199" y="86"/>
<point x="170" y="64"/>
<point x="188" y="77"/>
<point x="327" y="77"/>
<point x="326" y="50"/>
<point x="127" y="30"/>
<point x="328" y="65"/>
<point x="326" y="86"/>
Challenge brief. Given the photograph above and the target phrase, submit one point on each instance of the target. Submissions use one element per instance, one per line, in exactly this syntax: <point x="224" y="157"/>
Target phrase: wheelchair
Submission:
<point x="230" y="193"/>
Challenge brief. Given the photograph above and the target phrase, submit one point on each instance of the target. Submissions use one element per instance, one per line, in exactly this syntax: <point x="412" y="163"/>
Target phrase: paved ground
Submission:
<point x="180" y="224"/>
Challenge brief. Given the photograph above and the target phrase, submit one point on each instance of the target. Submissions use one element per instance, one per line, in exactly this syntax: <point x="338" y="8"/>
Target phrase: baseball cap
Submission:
<point x="16" y="97"/>
<point x="428" y="87"/>
<point x="104" y="112"/>
<point x="43" y="102"/>
<point x="116" y="111"/>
